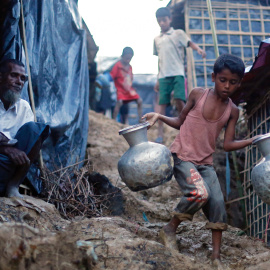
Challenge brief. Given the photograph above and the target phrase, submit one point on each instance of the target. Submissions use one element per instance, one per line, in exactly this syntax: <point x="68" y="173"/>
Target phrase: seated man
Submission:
<point x="20" y="137"/>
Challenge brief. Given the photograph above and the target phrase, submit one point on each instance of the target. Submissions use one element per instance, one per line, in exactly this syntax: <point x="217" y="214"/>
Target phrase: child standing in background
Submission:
<point x="169" y="47"/>
<point x="123" y="77"/>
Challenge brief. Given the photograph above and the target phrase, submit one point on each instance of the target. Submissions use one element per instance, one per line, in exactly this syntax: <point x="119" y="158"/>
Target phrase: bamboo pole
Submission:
<point x="238" y="182"/>
<point x="239" y="186"/>
<point x="30" y="86"/>
<point x="213" y="28"/>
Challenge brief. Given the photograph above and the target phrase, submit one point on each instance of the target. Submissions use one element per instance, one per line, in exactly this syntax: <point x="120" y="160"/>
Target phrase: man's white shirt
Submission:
<point x="16" y="116"/>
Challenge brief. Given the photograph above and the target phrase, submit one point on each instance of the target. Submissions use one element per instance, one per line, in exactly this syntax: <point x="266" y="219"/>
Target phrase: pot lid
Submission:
<point x="133" y="128"/>
<point x="262" y="137"/>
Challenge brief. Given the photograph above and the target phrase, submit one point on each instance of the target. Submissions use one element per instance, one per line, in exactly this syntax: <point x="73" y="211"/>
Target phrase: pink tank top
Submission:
<point x="196" y="140"/>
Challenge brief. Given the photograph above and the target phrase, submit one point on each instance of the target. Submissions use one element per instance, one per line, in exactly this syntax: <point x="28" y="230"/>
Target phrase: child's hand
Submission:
<point x="201" y="52"/>
<point x="151" y="118"/>
<point x="256" y="137"/>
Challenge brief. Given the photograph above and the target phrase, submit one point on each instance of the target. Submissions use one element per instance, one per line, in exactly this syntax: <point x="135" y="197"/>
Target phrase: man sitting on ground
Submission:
<point x="20" y="138"/>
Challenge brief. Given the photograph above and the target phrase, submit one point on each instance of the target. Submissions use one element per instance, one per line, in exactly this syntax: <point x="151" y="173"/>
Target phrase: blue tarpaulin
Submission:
<point x="56" y="45"/>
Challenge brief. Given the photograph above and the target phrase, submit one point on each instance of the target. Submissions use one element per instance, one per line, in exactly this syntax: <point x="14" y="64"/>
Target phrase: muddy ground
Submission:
<point x="33" y="235"/>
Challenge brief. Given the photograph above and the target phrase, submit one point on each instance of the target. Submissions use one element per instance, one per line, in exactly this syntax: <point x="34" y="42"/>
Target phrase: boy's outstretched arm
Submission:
<point x="153" y="117"/>
<point x="175" y="122"/>
<point x="230" y="144"/>
<point x="195" y="47"/>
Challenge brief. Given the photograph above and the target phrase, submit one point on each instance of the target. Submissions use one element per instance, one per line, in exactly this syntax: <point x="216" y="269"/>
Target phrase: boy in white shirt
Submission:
<point x="169" y="47"/>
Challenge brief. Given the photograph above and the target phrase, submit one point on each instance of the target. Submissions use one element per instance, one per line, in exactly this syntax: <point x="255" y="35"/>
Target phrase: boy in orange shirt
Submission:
<point x="123" y="77"/>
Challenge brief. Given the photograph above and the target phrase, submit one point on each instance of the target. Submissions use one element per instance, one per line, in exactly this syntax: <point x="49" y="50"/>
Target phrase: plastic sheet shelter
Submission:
<point x="256" y="81"/>
<point x="56" y="43"/>
<point x="254" y="95"/>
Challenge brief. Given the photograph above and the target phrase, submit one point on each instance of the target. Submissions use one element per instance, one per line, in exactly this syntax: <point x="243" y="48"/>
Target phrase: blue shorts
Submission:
<point x="27" y="137"/>
<point x="201" y="189"/>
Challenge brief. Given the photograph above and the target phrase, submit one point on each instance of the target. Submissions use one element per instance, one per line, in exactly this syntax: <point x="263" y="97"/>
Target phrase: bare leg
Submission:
<point x="13" y="185"/>
<point x="125" y="119"/>
<point x="216" y="243"/>
<point x="179" y="105"/>
<point x="156" y="105"/>
<point x="117" y="108"/>
<point x="139" y="103"/>
<point x="172" y="226"/>
<point x="168" y="233"/>
<point x="162" y="110"/>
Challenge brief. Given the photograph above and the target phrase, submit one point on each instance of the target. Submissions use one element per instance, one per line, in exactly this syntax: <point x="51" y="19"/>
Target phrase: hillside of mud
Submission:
<point x="33" y="235"/>
<point x="157" y="203"/>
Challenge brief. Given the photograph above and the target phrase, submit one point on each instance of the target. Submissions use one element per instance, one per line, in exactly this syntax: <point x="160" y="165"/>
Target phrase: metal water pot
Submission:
<point x="260" y="175"/>
<point x="145" y="164"/>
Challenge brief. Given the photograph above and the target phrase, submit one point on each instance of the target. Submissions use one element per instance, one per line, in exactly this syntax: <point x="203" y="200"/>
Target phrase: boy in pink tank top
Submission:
<point x="206" y="112"/>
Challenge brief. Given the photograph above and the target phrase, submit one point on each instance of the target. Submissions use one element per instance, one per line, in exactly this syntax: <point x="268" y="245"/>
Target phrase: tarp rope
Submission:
<point x="30" y="87"/>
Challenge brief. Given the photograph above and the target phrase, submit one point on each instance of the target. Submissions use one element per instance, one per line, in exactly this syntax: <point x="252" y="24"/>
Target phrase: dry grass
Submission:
<point x="71" y="192"/>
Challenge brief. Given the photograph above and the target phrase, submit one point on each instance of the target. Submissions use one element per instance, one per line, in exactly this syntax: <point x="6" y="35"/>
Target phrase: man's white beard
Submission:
<point x="11" y="96"/>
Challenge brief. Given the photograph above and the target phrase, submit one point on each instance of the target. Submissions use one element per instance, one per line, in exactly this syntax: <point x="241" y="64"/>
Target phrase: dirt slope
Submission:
<point x="105" y="149"/>
<point x="33" y="236"/>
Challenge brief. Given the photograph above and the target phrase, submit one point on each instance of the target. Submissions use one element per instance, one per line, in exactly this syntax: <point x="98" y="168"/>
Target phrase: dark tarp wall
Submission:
<point x="56" y="45"/>
<point x="255" y="84"/>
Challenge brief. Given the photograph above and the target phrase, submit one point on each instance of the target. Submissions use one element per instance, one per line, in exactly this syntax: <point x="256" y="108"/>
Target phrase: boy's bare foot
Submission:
<point x="13" y="192"/>
<point x="168" y="239"/>
<point x="218" y="265"/>
<point x="215" y="254"/>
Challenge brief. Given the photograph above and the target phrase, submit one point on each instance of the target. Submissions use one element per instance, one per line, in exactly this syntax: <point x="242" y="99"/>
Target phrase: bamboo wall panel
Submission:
<point x="258" y="213"/>
<point x="240" y="26"/>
